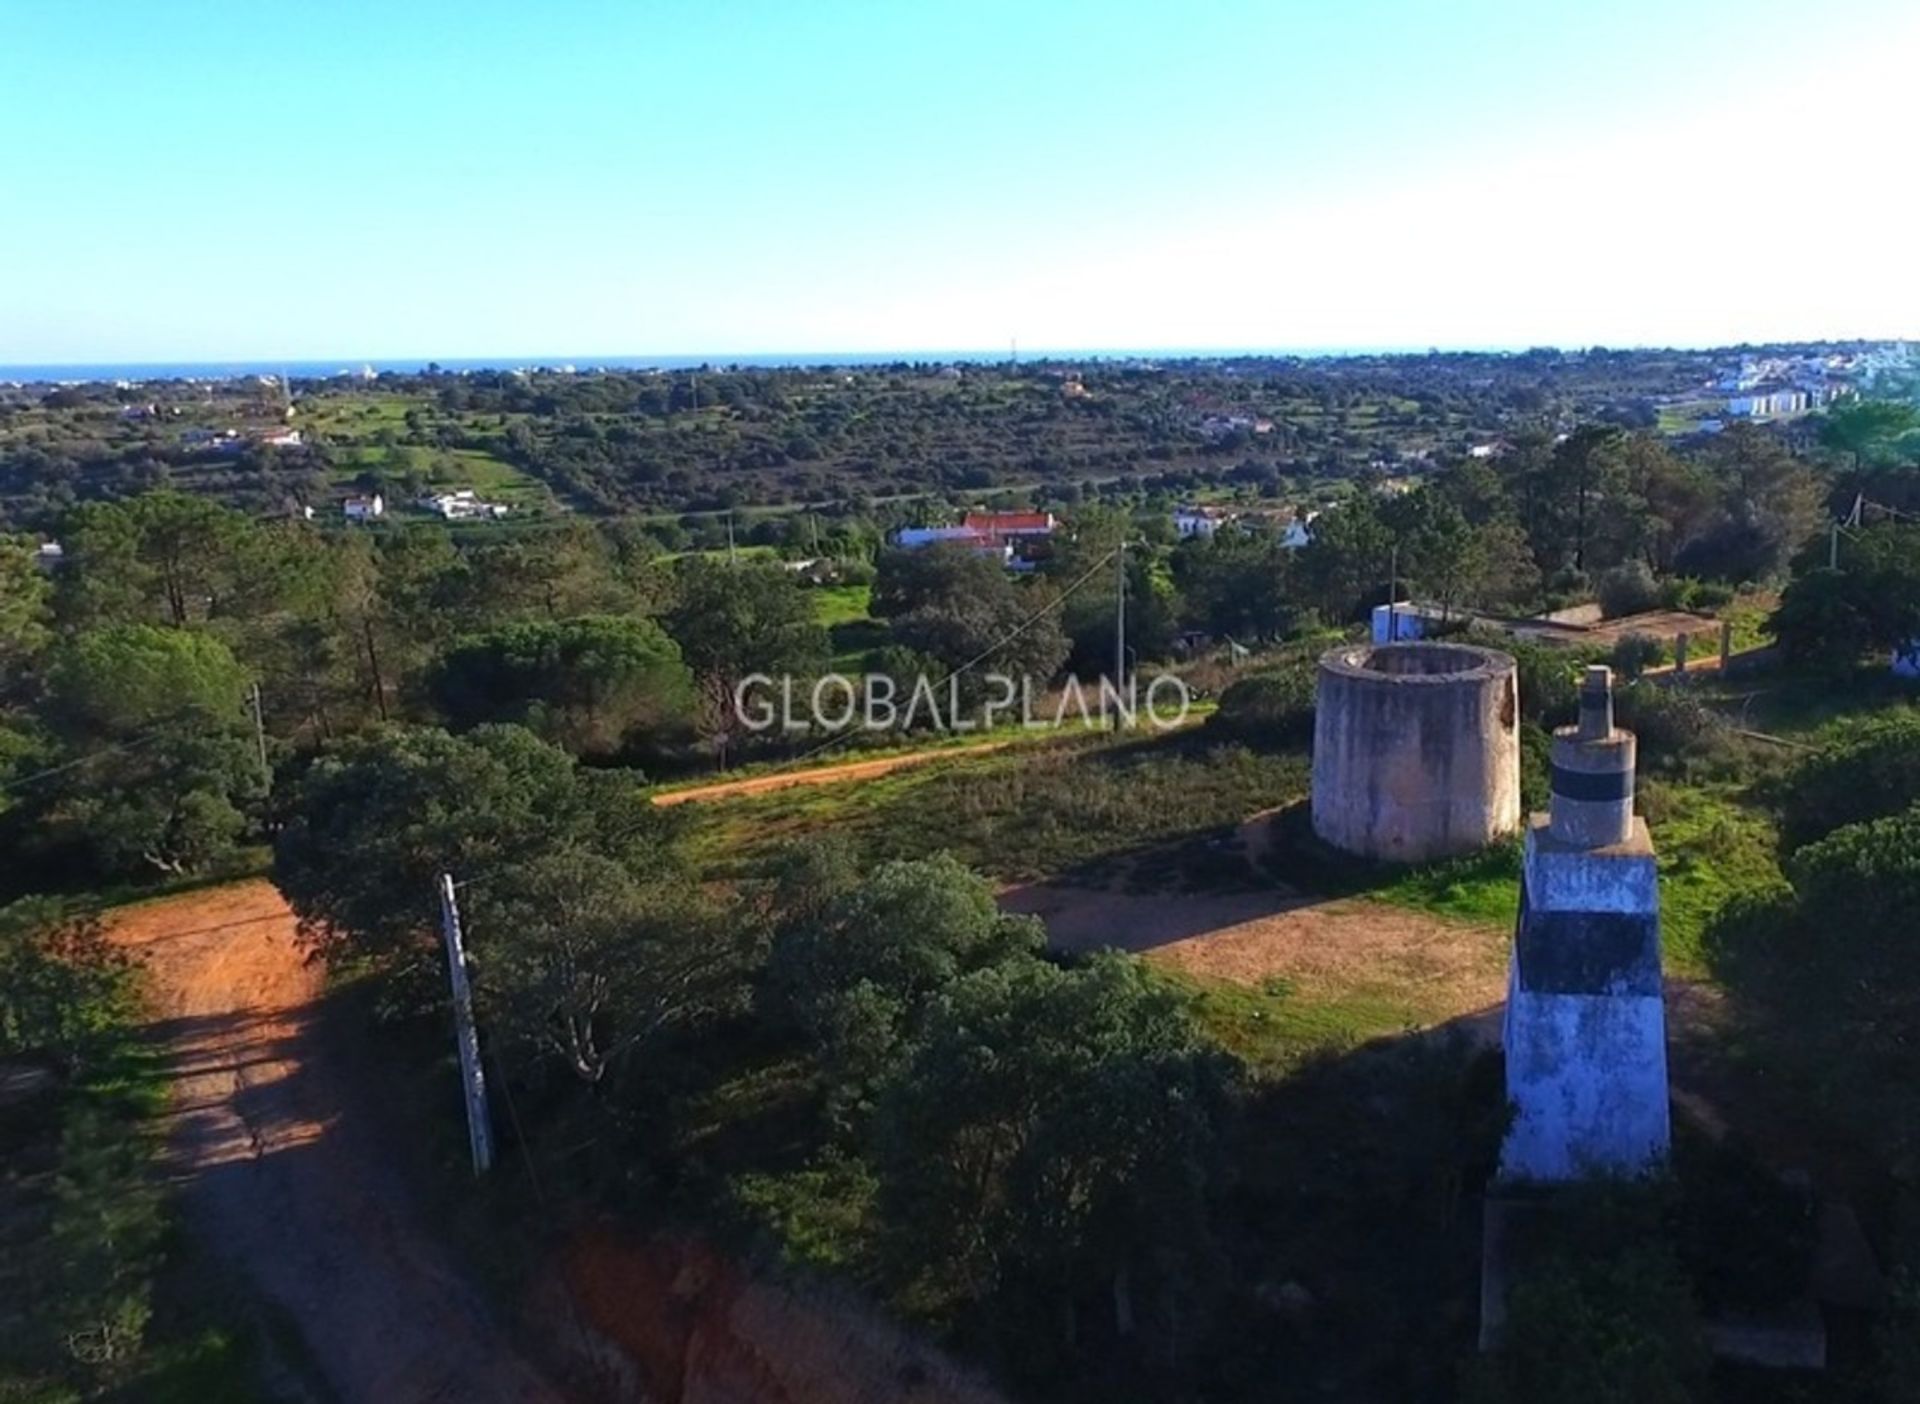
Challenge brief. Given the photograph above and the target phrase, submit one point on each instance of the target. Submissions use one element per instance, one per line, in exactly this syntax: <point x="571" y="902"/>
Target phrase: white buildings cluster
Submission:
<point x="1206" y="521"/>
<point x="463" y="505"/>
<point x="1781" y="404"/>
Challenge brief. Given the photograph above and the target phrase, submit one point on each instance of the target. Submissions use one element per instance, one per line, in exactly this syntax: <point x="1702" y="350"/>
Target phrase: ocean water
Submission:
<point x="308" y="369"/>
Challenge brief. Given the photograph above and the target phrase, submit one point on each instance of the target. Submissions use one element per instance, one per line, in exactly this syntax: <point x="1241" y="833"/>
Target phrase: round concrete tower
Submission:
<point x="1416" y="750"/>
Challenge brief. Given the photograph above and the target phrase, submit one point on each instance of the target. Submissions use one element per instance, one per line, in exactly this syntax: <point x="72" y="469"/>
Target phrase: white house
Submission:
<point x="1199" y="521"/>
<point x="364" y="509"/>
<point x="462" y="505"/>
<point x="1299" y="532"/>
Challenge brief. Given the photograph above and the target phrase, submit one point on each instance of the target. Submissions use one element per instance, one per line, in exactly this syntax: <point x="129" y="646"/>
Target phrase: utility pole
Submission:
<point x="1120" y="634"/>
<point x="473" y="1081"/>
<point x="260" y="734"/>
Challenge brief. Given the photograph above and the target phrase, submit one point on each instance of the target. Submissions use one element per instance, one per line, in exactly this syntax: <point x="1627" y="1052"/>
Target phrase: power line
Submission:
<point x="139" y="738"/>
<point x="21" y="781"/>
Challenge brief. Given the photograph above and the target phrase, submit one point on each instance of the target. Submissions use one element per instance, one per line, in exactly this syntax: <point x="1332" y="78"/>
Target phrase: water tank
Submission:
<point x="1416" y="750"/>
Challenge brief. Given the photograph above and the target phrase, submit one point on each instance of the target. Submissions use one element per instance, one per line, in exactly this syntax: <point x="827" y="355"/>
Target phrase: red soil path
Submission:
<point x="284" y="1177"/>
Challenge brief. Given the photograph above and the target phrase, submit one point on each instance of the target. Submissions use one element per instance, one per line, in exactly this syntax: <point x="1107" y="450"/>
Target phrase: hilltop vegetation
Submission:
<point x="702" y="439"/>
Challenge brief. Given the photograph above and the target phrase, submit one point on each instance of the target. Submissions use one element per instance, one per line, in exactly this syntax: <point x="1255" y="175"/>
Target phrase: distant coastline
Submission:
<point x="310" y="369"/>
<point x="29" y="373"/>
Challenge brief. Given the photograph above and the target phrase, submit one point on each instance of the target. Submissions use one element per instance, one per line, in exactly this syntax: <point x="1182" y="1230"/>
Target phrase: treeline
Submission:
<point x="715" y="437"/>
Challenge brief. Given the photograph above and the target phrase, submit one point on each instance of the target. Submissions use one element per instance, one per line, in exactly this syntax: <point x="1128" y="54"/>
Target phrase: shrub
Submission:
<point x="1628" y="588"/>
<point x="1744" y="1236"/>
<point x="1549" y="679"/>
<point x="1636" y="653"/>
<point x="1674" y="725"/>
<point x="1871" y="770"/>
<point x="1684" y="592"/>
<point x="1861" y="876"/>
<point x="1274" y="708"/>
<point x="1605" y="1315"/>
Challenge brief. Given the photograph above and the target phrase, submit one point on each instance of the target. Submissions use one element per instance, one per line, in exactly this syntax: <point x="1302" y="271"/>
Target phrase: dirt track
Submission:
<point x="823" y="774"/>
<point x="283" y="1177"/>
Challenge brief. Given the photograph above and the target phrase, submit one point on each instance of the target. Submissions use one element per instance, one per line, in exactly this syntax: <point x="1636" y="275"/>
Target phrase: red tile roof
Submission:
<point x="1009" y="521"/>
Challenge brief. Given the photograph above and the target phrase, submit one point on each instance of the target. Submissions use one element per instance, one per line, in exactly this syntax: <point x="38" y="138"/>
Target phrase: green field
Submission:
<point x="842" y="604"/>
<point x="447" y="469"/>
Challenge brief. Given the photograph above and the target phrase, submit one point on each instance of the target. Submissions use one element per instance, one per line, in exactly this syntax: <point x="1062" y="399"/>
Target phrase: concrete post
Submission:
<point x="1726" y="645"/>
<point x="1680" y="652"/>
<point x="1585" y="1031"/>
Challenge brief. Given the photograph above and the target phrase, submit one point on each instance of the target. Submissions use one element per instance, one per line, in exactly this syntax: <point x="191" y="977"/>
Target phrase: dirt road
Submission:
<point x="284" y="1171"/>
<point x="823" y="774"/>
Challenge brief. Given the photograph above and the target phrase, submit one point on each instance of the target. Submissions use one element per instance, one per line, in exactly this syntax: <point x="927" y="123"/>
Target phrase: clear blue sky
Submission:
<point x="205" y="179"/>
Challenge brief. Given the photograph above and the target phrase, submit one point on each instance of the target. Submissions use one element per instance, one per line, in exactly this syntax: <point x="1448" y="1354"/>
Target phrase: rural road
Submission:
<point x="823" y="774"/>
<point x="284" y="1172"/>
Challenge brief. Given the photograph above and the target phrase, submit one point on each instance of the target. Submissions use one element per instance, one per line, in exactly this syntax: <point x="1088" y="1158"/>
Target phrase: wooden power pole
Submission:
<point x="473" y="1080"/>
<point x="260" y="735"/>
<point x="1120" y="635"/>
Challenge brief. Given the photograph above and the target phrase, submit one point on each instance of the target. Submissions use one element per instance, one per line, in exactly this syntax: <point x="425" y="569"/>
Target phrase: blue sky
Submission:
<point x="205" y="179"/>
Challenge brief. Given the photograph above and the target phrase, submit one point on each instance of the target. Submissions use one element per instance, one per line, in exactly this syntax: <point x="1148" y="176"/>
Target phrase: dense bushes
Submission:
<point x="1867" y="771"/>
<point x="1829" y="617"/>
<point x="1629" y="588"/>
<point x="1549" y="678"/>
<point x="85" y="1233"/>
<point x="1270" y="708"/>
<point x="1674" y="726"/>
<point x="1858" y="875"/>
<point x="1636" y="653"/>
<point x="1598" y="1327"/>
<point x="1039" y="1143"/>
<point x="1830" y="969"/>
<point x="596" y="685"/>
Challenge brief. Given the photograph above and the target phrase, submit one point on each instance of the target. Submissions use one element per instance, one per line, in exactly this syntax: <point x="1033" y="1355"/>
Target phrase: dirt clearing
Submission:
<point x="286" y="1174"/>
<point x="1437" y="967"/>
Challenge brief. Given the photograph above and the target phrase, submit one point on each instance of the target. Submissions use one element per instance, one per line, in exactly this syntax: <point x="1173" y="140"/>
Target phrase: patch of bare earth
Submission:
<point x="1440" y="967"/>
<point x="286" y="1174"/>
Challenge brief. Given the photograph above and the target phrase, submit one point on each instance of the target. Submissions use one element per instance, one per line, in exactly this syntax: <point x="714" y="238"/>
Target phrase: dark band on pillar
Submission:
<point x="1591" y="786"/>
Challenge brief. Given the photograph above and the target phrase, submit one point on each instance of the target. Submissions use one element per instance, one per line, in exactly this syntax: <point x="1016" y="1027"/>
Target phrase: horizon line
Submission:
<point x="867" y="357"/>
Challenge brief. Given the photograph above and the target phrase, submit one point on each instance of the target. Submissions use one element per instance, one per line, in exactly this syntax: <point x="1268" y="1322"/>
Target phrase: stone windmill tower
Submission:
<point x="1585" y="1032"/>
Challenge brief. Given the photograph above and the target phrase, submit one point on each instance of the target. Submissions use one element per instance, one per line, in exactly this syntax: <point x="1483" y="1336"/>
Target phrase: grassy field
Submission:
<point x="1270" y="1027"/>
<point x="842" y="604"/>
<point x="446" y="469"/>
<point x="1079" y="803"/>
